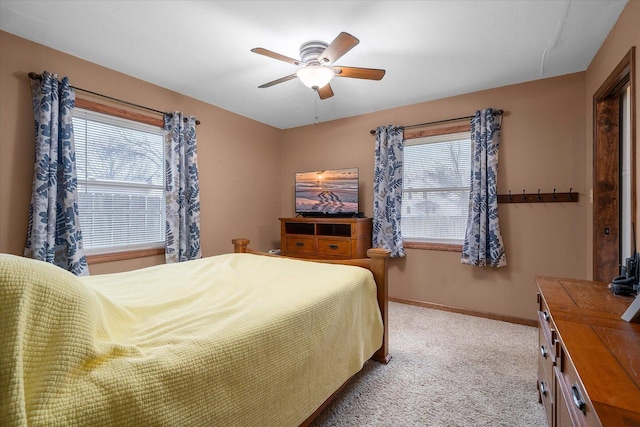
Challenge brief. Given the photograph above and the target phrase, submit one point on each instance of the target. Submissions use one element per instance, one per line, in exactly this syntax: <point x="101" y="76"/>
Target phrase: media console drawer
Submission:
<point x="329" y="238"/>
<point x="334" y="247"/>
<point x="299" y="244"/>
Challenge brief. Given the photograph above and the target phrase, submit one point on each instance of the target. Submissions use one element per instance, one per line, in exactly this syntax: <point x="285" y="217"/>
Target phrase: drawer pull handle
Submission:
<point x="545" y="315"/>
<point x="577" y="398"/>
<point x="333" y="246"/>
<point x="543" y="388"/>
<point x="543" y="351"/>
<point x="299" y="244"/>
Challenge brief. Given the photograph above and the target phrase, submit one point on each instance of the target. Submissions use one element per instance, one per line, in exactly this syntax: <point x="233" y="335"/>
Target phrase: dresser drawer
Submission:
<point x="548" y="336"/>
<point x="334" y="247"/>
<point x="545" y="349"/>
<point x="546" y="362"/>
<point x="575" y="401"/>
<point x="545" y="389"/>
<point x="299" y="244"/>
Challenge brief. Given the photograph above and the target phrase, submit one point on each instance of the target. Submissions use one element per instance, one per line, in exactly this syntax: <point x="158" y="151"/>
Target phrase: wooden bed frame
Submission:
<point x="377" y="263"/>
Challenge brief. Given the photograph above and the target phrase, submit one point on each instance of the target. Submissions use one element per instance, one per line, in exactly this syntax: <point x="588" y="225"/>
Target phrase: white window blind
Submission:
<point x="120" y="166"/>
<point x="436" y="181"/>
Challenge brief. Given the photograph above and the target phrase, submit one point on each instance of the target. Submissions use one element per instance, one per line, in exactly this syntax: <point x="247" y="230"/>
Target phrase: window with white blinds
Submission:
<point x="120" y="165"/>
<point x="436" y="181"/>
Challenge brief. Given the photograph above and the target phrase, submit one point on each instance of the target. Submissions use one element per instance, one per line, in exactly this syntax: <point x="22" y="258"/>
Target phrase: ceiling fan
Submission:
<point x="317" y="59"/>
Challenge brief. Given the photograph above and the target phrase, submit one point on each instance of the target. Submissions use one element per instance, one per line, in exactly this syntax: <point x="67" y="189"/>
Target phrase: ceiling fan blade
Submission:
<point x="338" y="47"/>
<point x="325" y="91"/>
<point x="359" y="73"/>
<point x="280" y="80"/>
<point x="271" y="54"/>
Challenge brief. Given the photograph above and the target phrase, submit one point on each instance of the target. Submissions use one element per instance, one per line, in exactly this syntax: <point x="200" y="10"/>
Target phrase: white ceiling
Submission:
<point x="430" y="49"/>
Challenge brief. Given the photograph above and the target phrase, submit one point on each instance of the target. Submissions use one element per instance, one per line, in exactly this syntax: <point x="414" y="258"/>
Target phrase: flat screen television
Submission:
<point x="330" y="192"/>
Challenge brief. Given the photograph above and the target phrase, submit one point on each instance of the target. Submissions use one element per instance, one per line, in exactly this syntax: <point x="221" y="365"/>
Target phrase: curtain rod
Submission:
<point x="495" y="113"/>
<point x="36" y="76"/>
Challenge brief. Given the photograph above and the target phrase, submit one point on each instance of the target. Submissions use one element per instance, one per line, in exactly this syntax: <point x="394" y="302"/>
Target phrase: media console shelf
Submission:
<point x="325" y="238"/>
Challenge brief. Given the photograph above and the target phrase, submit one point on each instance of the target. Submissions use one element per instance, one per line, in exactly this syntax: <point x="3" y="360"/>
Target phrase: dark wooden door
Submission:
<point x="606" y="165"/>
<point x="606" y="192"/>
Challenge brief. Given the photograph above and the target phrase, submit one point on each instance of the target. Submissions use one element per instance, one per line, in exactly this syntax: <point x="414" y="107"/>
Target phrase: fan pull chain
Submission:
<point x="315" y="120"/>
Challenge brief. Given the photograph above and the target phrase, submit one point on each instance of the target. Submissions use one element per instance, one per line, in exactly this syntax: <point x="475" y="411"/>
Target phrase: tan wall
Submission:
<point x="239" y="158"/>
<point x="546" y="144"/>
<point x="542" y="146"/>
<point x="624" y="35"/>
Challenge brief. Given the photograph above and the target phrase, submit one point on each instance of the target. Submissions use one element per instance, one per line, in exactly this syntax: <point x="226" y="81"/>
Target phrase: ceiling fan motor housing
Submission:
<point x="311" y="50"/>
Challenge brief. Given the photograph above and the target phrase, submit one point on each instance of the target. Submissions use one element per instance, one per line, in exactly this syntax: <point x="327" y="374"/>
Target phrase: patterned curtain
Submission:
<point x="483" y="242"/>
<point x="54" y="233"/>
<point x="387" y="190"/>
<point x="182" y="189"/>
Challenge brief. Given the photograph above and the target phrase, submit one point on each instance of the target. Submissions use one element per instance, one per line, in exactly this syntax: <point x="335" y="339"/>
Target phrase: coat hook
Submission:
<point x="510" y="198"/>
<point x="570" y="192"/>
<point x="553" y="197"/>
<point x="524" y="197"/>
<point x="538" y="198"/>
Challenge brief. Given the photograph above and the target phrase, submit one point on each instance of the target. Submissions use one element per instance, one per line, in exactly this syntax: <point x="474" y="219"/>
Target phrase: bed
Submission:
<point x="239" y="339"/>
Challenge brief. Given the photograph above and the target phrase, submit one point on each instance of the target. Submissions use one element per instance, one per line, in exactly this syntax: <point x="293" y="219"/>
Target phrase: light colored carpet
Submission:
<point x="447" y="369"/>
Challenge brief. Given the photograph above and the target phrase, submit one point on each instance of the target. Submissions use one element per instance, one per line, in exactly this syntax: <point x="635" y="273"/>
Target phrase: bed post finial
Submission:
<point x="240" y="245"/>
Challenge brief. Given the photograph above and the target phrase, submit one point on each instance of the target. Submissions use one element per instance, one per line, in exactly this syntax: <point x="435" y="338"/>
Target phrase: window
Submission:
<point x="120" y="166"/>
<point x="436" y="181"/>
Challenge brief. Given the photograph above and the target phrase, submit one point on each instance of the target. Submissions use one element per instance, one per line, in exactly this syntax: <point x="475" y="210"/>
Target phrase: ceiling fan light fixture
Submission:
<point x="315" y="76"/>
<point x="317" y="61"/>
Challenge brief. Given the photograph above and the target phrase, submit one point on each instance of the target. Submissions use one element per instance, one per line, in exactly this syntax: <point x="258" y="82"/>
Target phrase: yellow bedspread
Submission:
<point x="230" y="340"/>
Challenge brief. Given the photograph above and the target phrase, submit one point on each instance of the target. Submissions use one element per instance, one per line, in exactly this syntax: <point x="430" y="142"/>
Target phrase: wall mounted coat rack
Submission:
<point x="539" y="197"/>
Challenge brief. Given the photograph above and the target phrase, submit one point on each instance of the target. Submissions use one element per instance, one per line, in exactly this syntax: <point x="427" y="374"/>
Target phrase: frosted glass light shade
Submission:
<point x="315" y="76"/>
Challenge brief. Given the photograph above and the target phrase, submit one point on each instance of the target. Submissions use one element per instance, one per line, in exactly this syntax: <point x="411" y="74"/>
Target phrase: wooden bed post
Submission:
<point x="240" y="245"/>
<point x="379" y="268"/>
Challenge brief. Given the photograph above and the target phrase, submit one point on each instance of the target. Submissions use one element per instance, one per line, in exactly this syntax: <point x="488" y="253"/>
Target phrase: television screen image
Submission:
<point x="327" y="192"/>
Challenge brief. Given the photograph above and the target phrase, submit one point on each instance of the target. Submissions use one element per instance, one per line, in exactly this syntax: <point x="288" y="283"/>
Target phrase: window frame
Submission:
<point x="434" y="246"/>
<point x="90" y="105"/>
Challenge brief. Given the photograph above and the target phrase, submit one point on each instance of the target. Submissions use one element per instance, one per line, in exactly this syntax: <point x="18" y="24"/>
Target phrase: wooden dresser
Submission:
<point x="325" y="238"/>
<point x="589" y="358"/>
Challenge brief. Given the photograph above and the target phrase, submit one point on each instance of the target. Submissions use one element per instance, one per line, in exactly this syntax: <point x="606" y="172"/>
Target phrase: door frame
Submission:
<point x="606" y="175"/>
